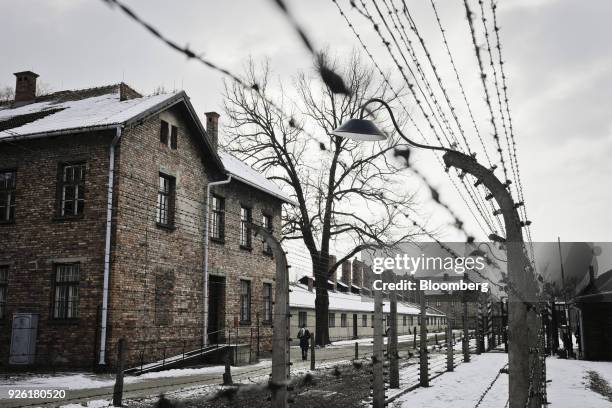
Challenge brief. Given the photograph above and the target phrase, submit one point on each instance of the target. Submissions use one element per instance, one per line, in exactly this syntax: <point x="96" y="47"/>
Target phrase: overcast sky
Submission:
<point x="559" y="67"/>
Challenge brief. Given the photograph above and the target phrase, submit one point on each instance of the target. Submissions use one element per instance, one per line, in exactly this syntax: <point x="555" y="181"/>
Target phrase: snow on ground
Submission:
<point x="568" y="386"/>
<point x="569" y="383"/>
<point x="90" y="404"/>
<point x="464" y="386"/>
<point x="75" y="381"/>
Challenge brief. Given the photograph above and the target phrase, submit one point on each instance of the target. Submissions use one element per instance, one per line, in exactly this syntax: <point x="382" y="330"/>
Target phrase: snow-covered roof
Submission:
<point x="300" y="296"/>
<point x="246" y="174"/>
<point x="77" y="110"/>
<point x="101" y="108"/>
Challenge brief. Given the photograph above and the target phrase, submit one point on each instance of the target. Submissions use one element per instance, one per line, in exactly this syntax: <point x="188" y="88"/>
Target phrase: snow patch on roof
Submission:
<point x="96" y="111"/>
<point x="300" y="296"/>
<point x="243" y="172"/>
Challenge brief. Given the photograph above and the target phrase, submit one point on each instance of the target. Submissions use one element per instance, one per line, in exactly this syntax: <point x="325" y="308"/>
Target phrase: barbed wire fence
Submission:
<point x="431" y="109"/>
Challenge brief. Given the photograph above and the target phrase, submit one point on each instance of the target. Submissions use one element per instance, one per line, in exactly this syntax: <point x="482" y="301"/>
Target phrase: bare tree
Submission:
<point x="345" y="191"/>
<point x="7" y="93"/>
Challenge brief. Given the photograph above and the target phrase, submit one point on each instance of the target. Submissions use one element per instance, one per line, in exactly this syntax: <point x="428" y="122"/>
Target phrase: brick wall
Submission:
<point x="155" y="297"/>
<point x="38" y="239"/>
<point x="160" y="268"/>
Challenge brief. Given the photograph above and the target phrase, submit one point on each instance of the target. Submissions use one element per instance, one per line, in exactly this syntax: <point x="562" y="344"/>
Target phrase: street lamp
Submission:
<point x="520" y="314"/>
<point x="365" y="130"/>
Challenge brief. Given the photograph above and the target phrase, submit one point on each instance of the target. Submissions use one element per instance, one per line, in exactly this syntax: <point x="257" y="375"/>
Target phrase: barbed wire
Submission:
<point x="368" y="16"/>
<point x="483" y="79"/>
<point x="193" y="55"/>
<point x="459" y="82"/>
<point x="521" y="197"/>
<point x="405" y="110"/>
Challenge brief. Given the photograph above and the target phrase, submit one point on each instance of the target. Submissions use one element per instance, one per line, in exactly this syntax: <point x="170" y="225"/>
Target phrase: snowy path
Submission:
<point x="463" y="387"/>
<point x="568" y="386"/>
<point x="569" y="382"/>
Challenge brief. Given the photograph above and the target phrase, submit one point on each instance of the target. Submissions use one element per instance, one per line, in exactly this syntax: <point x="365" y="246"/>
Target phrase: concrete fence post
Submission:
<point x="521" y="281"/>
<point x="378" y="384"/>
<point x="393" y="356"/>
<point x="465" y="340"/>
<point x="423" y="363"/>
<point x="281" y="321"/>
<point x="118" y="389"/>
<point x="450" y="362"/>
<point x="312" y="352"/>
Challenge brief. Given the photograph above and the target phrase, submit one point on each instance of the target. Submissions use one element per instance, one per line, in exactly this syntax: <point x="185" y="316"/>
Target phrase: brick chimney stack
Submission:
<point x="212" y="128"/>
<point x="346" y="273"/>
<point x="25" y="86"/>
<point x="357" y="273"/>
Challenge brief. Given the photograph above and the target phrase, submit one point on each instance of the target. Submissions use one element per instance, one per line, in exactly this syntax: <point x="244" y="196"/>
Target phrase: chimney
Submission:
<point x="310" y="283"/>
<point x="212" y="128"/>
<point x="357" y="273"/>
<point x="367" y="277"/>
<point x="346" y="273"/>
<point x="25" y="86"/>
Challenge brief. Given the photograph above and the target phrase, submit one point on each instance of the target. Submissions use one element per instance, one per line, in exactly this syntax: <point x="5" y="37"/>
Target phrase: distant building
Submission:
<point x="594" y="331"/>
<point x="351" y="306"/>
<point x="93" y="250"/>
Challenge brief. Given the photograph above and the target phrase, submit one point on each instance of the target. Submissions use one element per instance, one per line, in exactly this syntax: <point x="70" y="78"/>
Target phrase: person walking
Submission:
<point x="304" y="336"/>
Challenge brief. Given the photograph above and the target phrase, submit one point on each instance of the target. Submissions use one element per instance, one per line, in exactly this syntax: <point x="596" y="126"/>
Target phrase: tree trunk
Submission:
<point x="321" y="307"/>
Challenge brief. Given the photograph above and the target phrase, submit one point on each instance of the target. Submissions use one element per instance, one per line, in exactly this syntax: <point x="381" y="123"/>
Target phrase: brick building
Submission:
<point x="103" y="198"/>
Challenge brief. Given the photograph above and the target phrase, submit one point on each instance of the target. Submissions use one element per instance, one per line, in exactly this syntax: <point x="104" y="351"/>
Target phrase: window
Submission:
<point x="266" y="222"/>
<point x="245" y="301"/>
<point x="3" y="289"/>
<point x="245" y="227"/>
<point x="71" y="189"/>
<point x="343" y="322"/>
<point x="331" y="320"/>
<point x="7" y="196"/>
<point x="66" y="301"/>
<point x="364" y="320"/>
<point x="405" y="320"/>
<point x="217" y="218"/>
<point x="267" y="302"/>
<point x="168" y="134"/>
<point x="302" y="319"/>
<point x="165" y="200"/>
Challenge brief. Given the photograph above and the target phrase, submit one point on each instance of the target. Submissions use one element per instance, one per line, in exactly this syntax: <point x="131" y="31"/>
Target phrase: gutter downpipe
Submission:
<point x="107" y="245"/>
<point x="206" y="242"/>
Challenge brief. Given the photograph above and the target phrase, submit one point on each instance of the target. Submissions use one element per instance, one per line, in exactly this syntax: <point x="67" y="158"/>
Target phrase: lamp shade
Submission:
<point x="360" y="129"/>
